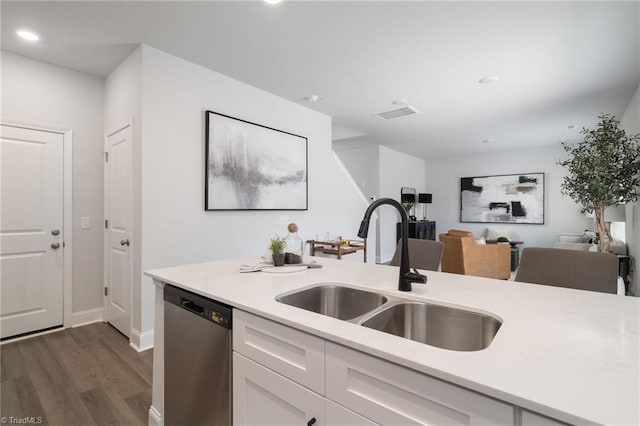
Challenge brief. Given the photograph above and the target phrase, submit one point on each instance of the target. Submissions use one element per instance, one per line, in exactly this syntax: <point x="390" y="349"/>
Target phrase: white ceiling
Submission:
<point x="559" y="63"/>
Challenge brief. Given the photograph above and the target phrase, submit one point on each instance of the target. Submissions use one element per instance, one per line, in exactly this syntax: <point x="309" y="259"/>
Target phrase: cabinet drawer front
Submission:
<point x="389" y="394"/>
<point x="533" y="419"/>
<point x="337" y="415"/>
<point x="262" y="397"/>
<point x="294" y="354"/>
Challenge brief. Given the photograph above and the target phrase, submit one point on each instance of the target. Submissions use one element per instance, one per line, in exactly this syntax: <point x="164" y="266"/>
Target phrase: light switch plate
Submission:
<point x="85" y="222"/>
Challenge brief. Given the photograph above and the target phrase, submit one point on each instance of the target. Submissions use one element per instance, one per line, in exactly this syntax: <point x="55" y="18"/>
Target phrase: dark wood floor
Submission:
<point x="80" y="376"/>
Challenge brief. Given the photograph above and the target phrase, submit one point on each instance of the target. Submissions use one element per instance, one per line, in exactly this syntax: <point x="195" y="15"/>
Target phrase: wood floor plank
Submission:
<point x="140" y="403"/>
<point x="134" y="359"/>
<point x="147" y="356"/>
<point x="19" y="399"/>
<point x="83" y="376"/>
<point x="107" y="409"/>
<point x="64" y="406"/>
<point x="118" y="375"/>
<point x="11" y="362"/>
<point x="80" y="365"/>
<point x="89" y="333"/>
<point x="41" y="363"/>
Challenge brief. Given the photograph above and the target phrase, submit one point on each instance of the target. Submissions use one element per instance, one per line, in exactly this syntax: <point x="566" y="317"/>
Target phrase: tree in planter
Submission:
<point x="604" y="171"/>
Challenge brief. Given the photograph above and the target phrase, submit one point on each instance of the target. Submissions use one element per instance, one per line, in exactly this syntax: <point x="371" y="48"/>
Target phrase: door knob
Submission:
<point x="55" y="246"/>
<point x="124" y="242"/>
<point x="55" y="232"/>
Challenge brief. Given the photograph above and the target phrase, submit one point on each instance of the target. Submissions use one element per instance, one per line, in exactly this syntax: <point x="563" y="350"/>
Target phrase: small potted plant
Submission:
<point x="277" y="248"/>
<point x="502" y="240"/>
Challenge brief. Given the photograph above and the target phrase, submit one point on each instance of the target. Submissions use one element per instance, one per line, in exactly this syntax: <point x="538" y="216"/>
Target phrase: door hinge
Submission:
<point x="106" y="224"/>
<point x="106" y="157"/>
<point x="106" y="291"/>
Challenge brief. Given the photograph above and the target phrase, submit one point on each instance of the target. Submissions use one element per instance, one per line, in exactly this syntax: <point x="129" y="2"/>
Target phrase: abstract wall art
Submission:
<point x="253" y="167"/>
<point x="503" y="199"/>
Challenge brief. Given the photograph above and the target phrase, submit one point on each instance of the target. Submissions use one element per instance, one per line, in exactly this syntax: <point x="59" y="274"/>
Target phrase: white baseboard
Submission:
<point x="141" y="341"/>
<point x="88" y="316"/>
<point x="155" y="418"/>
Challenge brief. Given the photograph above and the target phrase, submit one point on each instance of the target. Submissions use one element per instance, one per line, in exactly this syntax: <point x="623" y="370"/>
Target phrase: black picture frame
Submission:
<point x="512" y="198"/>
<point x="249" y="166"/>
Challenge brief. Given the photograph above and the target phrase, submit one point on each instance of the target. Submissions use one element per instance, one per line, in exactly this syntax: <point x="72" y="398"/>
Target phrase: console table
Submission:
<point x="421" y="229"/>
<point x="338" y="248"/>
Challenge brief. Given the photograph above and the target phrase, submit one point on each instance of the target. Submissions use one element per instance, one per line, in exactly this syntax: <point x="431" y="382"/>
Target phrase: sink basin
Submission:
<point x="334" y="301"/>
<point x="435" y="325"/>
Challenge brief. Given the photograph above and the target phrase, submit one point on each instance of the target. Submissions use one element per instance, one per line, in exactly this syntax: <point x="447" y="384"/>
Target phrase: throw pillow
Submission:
<point x="493" y="234"/>
<point x="481" y="241"/>
<point x="588" y="237"/>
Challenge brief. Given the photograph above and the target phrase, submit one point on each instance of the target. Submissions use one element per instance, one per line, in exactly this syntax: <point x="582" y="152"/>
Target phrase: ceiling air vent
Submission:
<point x="397" y="113"/>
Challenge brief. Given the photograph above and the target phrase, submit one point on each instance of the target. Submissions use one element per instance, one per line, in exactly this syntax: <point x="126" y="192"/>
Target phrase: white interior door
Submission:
<point x="31" y="230"/>
<point x="118" y="205"/>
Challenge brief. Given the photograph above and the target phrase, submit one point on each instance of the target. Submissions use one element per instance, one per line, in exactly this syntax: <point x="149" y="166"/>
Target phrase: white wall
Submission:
<point x="562" y="214"/>
<point x="48" y="95"/>
<point x="396" y="170"/>
<point x="630" y="121"/>
<point x="363" y="165"/>
<point x="123" y="104"/>
<point x="175" y="227"/>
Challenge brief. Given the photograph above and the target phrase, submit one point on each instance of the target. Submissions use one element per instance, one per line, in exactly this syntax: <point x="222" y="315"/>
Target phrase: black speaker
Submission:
<point x="425" y="198"/>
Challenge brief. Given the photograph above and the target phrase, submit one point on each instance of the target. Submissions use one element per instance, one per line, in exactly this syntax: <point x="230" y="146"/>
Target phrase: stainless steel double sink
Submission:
<point x="436" y="325"/>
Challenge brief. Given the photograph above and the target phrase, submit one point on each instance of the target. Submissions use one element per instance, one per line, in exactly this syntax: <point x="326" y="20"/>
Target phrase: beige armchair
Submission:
<point x="462" y="255"/>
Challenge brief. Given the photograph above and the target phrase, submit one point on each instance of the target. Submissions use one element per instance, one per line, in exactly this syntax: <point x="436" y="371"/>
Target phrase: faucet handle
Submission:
<point x="416" y="277"/>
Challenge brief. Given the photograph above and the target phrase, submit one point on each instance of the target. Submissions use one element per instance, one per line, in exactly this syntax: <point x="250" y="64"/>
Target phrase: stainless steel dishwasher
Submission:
<point x="197" y="359"/>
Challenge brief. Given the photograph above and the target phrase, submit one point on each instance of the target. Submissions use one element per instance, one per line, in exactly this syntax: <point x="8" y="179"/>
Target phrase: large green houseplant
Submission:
<point x="603" y="171"/>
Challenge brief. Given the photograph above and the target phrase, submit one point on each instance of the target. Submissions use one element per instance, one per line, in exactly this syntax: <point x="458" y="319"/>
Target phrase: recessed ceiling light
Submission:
<point x="400" y="102"/>
<point x="489" y="79"/>
<point x="487" y="140"/>
<point x="28" y="35"/>
<point x="312" y="98"/>
<point x="571" y="126"/>
<point x="272" y="1"/>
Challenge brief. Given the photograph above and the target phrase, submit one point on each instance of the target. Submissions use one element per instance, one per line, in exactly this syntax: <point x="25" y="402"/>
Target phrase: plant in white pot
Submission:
<point x="603" y="171"/>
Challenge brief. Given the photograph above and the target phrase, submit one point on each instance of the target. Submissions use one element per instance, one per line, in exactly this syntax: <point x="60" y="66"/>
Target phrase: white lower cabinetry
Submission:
<point x="337" y="415"/>
<point x="296" y="355"/>
<point x="263" y="397"/>
<point x="390" y="394"/>
<point x="533" y="419"/>
<point x="283" y="376"/>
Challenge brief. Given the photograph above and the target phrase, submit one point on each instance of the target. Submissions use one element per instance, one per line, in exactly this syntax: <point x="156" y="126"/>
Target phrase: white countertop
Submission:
<point x="569" y="354"/>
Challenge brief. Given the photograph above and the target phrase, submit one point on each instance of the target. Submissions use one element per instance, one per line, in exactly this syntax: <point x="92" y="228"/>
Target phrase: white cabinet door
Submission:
<point x="337" y="415"/>
<point x="294" y="354"/>
<point x="391" y="395"/>
<point x="263" y="397"/>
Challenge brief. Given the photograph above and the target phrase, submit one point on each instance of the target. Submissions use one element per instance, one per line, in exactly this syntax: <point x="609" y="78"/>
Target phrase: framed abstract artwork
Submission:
<point x="253" y="167"/>
<point x="503" y="199"/>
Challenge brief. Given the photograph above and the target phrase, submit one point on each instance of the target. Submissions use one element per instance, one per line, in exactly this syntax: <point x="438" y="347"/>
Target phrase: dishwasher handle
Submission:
<point x="191" y="306"/>
<point x="211" y="310"/>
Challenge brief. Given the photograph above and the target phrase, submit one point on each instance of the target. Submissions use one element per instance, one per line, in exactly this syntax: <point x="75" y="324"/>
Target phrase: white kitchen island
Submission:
<point x="561" y="355"/>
